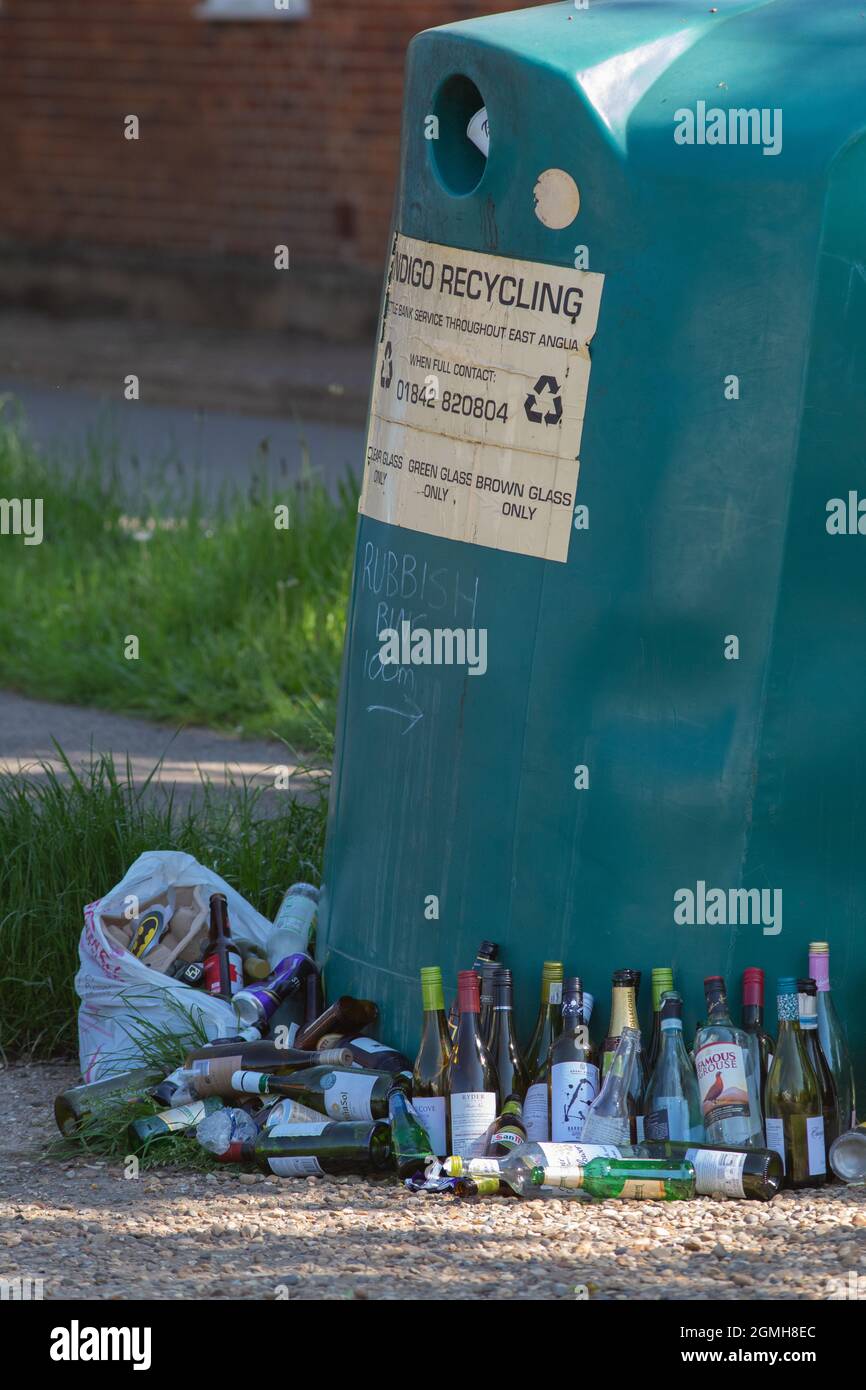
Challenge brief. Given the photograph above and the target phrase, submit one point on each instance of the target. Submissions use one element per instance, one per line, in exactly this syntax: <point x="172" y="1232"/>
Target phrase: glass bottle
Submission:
<point x="223" y="968"/>
<point x="488" y="953"/>
<point x="662" y="981"/>
<point x="807" y="993"/>
<point x="472" y="1085"/>
<point x="410" y="1140"/>
<point x="572" y="1075"/>
<point x="501" y="1043"/>
<point x="832" y="1035"/>
<point x="752" y="1018"/>
<point x="310" y="1150"/>
<point x="546" y="1030"/>
<point x="610" y="1117"/>
<point x="848" y="1155"/>
<point x="795" y="1121"/>
<point x="672" y="1107"/>
<point x="634" y="1178"/>
<point x="507" y="1131"/>
<point x="485" y="1021"/>
<point x="429" y="1075"/>
<point x="623" y="1014"/>
<point x="727" y="1066"/>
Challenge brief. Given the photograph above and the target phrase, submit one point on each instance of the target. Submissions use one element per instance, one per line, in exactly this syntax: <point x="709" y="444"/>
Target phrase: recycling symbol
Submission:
<point x="535" y="402"/>
<point x="387" y="373"/>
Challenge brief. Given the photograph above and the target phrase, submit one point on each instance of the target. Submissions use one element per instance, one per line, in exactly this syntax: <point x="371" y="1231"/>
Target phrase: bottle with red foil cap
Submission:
<point x="832" y="1035"/>
<point x="471" y="1084"/>
<point x="753" y="1022"/>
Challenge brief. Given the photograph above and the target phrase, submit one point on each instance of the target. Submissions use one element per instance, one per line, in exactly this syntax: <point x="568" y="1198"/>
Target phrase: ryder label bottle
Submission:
<point x="472" y="1084"/>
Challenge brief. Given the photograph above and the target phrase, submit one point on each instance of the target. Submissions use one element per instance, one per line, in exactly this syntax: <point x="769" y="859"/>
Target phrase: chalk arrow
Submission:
<point x="412" y="714"/>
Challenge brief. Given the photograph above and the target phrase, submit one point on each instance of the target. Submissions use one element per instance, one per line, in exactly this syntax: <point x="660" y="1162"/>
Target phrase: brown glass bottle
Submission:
<point x="345" y="1016"/>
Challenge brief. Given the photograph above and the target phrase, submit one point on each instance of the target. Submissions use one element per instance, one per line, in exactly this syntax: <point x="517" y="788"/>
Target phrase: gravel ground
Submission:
<point x="89" y="1233"/>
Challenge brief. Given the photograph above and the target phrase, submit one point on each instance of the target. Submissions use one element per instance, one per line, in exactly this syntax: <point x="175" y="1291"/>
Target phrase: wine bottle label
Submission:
<point x="347" y="1095"/>
<point x="290" y="1112"/>
<point x="815" y="1145"/>
<point x="639" y="1128"/>
<point x="212" y="973"/>
<point x="775" y="1131"/>
<point x="721" y="1069"/>
<point x="670" y="1119"/>
<point x="609" y="1129"/>
<point x="573" y="1088"/>
<point x="302" y="1166"/>
<point x="481" y="1167"/>
<point x="472" y="1114"/>
<point x="717" y="1174"/>
<point x="298" y="1131"/>
<point x="535" y="1112"/>
<point x="370" y="1045"/>
<point x="576" y="1155"/>
<point x="431" y="1112"/>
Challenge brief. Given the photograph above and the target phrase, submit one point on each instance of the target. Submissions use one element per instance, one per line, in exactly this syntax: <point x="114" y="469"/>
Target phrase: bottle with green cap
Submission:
<point x="431" y="1065"/>
<point x="662" y="981"/>
<point x="672" y="1105"/>
<point x="547" y="1028"/>
<point x="795" y="1119"/>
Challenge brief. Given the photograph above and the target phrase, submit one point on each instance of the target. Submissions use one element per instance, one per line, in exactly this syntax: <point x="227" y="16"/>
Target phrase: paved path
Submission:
<point x="27" y="728"/>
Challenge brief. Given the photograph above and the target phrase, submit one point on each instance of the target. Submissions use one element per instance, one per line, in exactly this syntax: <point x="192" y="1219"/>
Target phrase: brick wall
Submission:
<point x="252" y="134"/>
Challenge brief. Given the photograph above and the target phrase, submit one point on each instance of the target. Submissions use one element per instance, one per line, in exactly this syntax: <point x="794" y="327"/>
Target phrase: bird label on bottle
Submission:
<point x="573" y="1088"/>
<point x="535" y="1117"/>
<point x="472" y="1113"/>
<point x="815" y="1145"/>
<point x="717" y="1174"/>
<point x="431" y="1112"/>
<point x="721" y="1070"/>
<point x="775" y="1130"/>
<point x="347" y="1095"/>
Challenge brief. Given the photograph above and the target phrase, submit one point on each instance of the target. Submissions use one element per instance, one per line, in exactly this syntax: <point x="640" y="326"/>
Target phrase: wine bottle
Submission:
<point x="795" y="1122"/>
<point x="672" y="1107"/>
<point x="848" y="1155"/>
<point x="223" y="969"/>
<point x="610" y="1118"/>
<point x="367" y="1052"/>
<point x="485" y="1019"/>
<point x="753" y="1023"/>
<point x="339" y="1094"/>
<point x="216" y="1077"/>
<point x="409" y="1139"/>
<point x="832" y="1035"/>
<point x="662" y="981"/>
<point x="472" y="1086"/>
<point x="507" y="1131"/>
<point x="73" y="1107"/>
<point x="293" y="924"/>
<point x="502" y="1045"/>
<point x="623" y="1014"/>
<point x="727" y="1066"/>
<point x="429" y="1075"/>
<point x="282" y="1110"/>
<point x="264" y="1055"/>
<point x="632" y="1178"/>
<point x="312" y="1150"/>
<point x="346" y="1016"/>
<point x="573" y="1071"/>
<point x="807" y="998"/>
<point x="547" y="1025"/>
<point x="256" y="1004"/>
<point x="488" y="953"/>
<point x="173" y="1121"/>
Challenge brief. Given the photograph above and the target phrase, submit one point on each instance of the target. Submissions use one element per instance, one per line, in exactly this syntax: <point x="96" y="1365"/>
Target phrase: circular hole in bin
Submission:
<point x="458" y="163"/>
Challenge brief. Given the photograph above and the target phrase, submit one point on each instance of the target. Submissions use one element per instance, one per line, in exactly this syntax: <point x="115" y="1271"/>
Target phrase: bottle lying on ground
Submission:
<point x="754" y="1174"/>
<point x="409" y="1139"/>
<point x="174" y="1121"/>
<point x="73" y="1107"/>
<point x="848" y="1155"/>
<point x="346" y="1016"/>
<point x="430" y="1072"/>
<point x="339" y="1094"/>
<point x="263" y="1055"/>
<point x="257" y="1003"/>
<point x="537" y="1055"/>
<point x="368" y="1053"/>
<point x="282" y="1110"/>
<point x="316" y="1149"/>
<point x="216" y="1077"/>
<point x="633" y="1178"/>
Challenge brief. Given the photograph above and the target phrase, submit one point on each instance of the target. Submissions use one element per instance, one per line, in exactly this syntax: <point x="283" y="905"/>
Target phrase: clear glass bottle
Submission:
<point x="848" y="1155"/>
<point x="795" y="1121"/>
<point x="832" y="1035"/>
<point x="573" y="1071"/>
<point x="672" y="1106"/>
<point x="610" y="1119"/>
<point x="727" y="1066"/>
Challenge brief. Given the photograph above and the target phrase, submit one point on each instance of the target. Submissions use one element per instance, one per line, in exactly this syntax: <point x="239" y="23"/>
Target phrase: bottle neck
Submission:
<point x="623" y="1010"/>
<point x="551" y="993"/>
<point x="717" y="1008"/>
<point x="753" y="1015"/>
<point x="819" y="969"/>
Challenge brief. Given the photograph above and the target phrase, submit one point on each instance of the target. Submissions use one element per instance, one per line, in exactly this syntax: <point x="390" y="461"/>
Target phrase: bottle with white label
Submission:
<point x="536" y="1114"/>
<point x="336" y="1093"/>
<point x="430" y="1072"/>
<point x="728" y="1071"/>
<point x="293" y="924"/>
<point x="572" y="1083"/>
<point x="472" y="1086"/>
<point x="795" y="1119"/>
<point x="610" y="1118"/>
<point x="672" y="1106"/>
<point x="312" y="1150"/>
<point x="623" y="1014"/>
<point x="367" y="1052"/>
<point x="807" y="992"/>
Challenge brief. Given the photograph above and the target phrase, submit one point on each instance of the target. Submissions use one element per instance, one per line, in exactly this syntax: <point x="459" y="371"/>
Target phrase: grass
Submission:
<point x="239" y="624"/>
<point x="66" y="839"/>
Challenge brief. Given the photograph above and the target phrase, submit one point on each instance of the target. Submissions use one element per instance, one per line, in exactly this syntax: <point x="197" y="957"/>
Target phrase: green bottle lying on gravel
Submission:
<point x="73" y="1107"/>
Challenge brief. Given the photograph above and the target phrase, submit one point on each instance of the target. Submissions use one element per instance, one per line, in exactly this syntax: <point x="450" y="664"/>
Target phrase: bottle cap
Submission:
<point x="552" y="970"/>
<point x="489" y="949"/>
<point x="788" y="1003"/>
<point x="432" y="998"/>
<point x="662" y="979"/>
<point x="817" y="948"/>
<point x="468" y="1001"/>
<point x="786" y="984"/>
<point x="502" y="987"/>
<point x="572" y="987"/>
<point x="753" y="985"/>
<point x="807" y="985"/>
<point x="671" y="1006"/>
<point x="623" y="977"/>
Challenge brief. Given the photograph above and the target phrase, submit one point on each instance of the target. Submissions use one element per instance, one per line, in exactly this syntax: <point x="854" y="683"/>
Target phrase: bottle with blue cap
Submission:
<point x="795" y="1120"/>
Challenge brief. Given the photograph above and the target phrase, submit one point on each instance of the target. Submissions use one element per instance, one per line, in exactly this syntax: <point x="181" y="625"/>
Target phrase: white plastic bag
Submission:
<point x="115" y="988"/>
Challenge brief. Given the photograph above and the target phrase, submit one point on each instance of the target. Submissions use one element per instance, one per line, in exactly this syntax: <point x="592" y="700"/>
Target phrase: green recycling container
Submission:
<point x="615" y="456"/>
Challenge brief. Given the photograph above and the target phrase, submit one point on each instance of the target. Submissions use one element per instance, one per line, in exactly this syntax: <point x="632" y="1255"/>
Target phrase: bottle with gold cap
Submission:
<point x="431" y="1065"/>
<point x="548" y="1025"/>
<point x="662" y="982"/>
<point x="832" y="1035"/>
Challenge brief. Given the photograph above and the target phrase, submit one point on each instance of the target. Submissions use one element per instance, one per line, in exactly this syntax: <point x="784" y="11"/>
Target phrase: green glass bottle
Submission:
<point x="807" y="991"/>
<point x="310" y="1150"/>
<point x="546" y="1030"/>
<point x="341" y="1095"/>
<point x="409" y="1139"/>
<point x="795" y="1120"/>
<point x="507" y="1131"/>
<point x="501" y="1041"/>
<point x="662" y="980"/>
<point x="636" y="1179"/>
<point x="430" y="1073"/>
